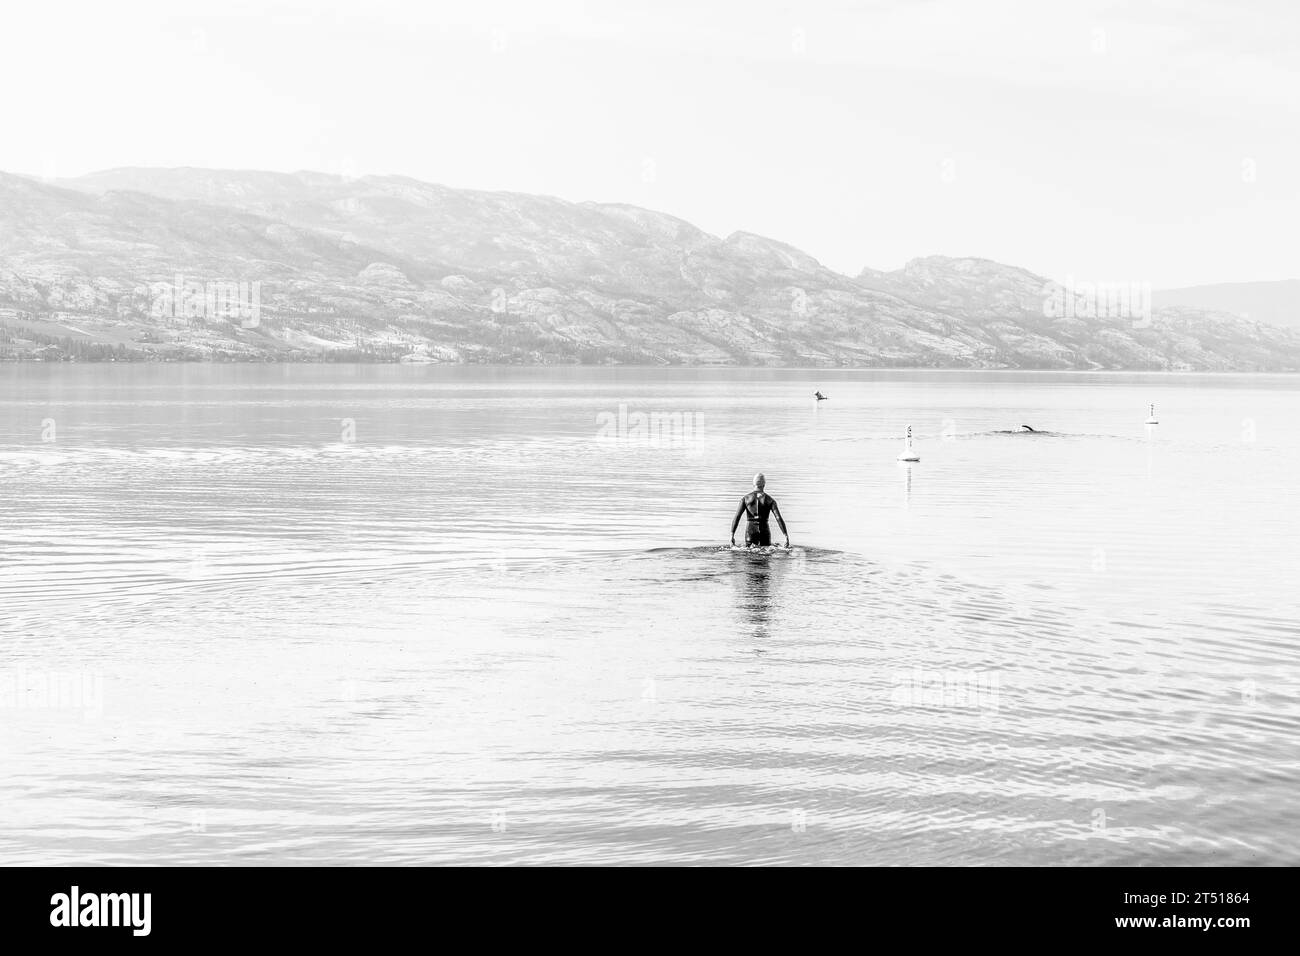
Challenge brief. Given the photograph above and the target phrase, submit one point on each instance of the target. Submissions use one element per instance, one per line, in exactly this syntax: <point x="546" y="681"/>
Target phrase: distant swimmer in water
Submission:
<point x="756" y="507"/>
<point x="820" y="396"/>
<point x="1028" y="429"/>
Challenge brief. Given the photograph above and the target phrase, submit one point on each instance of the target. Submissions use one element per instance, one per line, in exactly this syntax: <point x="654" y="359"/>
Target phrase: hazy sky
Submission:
<point x="1139" y="141"/>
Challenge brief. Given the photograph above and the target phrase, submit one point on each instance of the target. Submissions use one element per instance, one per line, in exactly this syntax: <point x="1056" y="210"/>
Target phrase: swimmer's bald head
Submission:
<point x="760" y="480"/>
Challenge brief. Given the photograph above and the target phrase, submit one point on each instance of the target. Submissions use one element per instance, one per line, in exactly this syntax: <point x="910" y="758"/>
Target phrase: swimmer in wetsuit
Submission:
<point x="756" y="507"/>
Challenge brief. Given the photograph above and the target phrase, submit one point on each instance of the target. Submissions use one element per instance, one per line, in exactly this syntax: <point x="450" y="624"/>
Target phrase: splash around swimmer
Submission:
<point x="756" y="507"/>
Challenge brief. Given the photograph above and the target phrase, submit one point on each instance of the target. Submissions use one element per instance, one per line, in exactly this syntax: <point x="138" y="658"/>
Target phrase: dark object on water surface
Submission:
<point x="1028" y="429"/>
<point x="820" y="396"/>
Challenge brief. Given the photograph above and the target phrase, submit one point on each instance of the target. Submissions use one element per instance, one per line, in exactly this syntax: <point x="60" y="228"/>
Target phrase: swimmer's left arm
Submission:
<point x="735" y="522"/>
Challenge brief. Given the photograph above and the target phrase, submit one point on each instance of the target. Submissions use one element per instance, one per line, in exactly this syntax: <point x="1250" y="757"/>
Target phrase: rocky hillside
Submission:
<point x="1275" y="303"/>
<point x="189" y="264"/>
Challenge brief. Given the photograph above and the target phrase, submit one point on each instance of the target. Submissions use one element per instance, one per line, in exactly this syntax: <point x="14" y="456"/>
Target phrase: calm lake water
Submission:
<point x="315" y="614"/>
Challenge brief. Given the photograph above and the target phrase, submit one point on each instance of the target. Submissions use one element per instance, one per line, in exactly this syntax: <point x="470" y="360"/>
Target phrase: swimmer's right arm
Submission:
<point x="781" y="521"/>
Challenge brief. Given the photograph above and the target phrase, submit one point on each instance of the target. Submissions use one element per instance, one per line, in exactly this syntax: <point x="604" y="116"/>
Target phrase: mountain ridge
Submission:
<point x="377" y="268"/>
<point x="1274" y="302"/>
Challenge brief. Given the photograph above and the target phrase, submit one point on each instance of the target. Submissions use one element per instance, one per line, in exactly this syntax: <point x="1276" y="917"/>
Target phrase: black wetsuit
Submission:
<point x="756" y="514"/>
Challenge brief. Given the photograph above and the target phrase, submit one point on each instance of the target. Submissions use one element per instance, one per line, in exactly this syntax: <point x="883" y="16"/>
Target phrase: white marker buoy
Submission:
<point x="1151" y="419"/>
<point x="908" y="454"/>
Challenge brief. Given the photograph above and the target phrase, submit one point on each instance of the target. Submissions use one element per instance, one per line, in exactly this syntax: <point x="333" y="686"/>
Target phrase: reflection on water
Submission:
<point x="754" y="592"/>
<point x="237" y="631"/>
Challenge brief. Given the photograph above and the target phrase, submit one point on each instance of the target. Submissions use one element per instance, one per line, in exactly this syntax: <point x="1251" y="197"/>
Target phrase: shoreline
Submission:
<point x="820" y="369"/>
